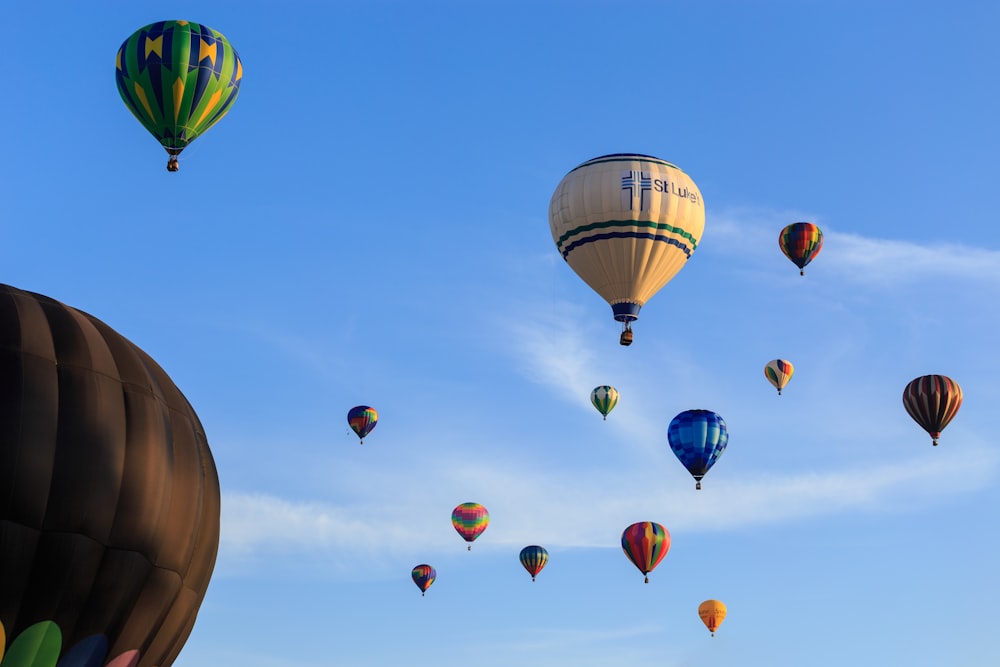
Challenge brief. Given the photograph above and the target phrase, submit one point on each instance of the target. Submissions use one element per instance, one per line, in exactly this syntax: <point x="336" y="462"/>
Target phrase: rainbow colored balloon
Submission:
<point x="423" y="576"/>
<point x="362" y="419"/>
<point x="534" y="558"/>
<point x="646" y="543"/>
<point x="932" y="401"/>
<point x="778" y="372"/>
<point x="801" y="242"/>
<point x="470" y="520"/>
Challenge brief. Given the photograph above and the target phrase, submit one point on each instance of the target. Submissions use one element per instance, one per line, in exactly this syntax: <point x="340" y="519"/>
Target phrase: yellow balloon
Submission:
<point x="712" y="613"/>
<point x="626" y="224"/>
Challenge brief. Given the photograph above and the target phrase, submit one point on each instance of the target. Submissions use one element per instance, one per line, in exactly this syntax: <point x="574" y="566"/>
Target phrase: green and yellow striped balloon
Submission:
<point x="178" y="78"/>
<point x="604" y="398"/>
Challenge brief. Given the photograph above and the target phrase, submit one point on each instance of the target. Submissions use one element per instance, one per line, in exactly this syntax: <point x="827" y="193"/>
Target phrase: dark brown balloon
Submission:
<point x="109" y="496"/>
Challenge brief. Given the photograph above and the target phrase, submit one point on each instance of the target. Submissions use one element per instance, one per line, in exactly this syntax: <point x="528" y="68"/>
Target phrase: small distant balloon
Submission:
<point x="534" y="558"/>
<point x="362" y="419"/>
<point x="423" y="576"/>
<point x="645" y="543"/>
<point x="932" y="401"/>
<point x="604" y="398"/>
<point x="801" y="242"/>
<point x="470" y="520"/>
<point x="778" y="372"/>
<point x="698" y="438"/>
<point x="712" y="613"/>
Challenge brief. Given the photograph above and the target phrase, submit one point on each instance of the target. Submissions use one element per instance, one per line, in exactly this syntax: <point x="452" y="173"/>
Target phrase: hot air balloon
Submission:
<point x="604" y="398"/>
<point x="626" y="224"/>
<point x="712" y="613"/>
<point x="932" y="401"/>
<point x="698" y="438"/>
<point x="646" y="543"/>
<point x="423" y="576"/>
<point x="533" y="559"/>
<point x="179" y="79"/>
<point x="470" y="520"/>
<point x="801" y="242"/>
<point x="109" y="496"/>
<point x="778" y="372"/>
<point x="362" y="419"/>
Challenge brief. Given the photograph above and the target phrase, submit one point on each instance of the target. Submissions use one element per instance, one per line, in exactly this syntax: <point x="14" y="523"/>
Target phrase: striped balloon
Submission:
<point x="423" y="576"/>
<point x="801" y="242"/>
<point x="178" y="79"/>
<point x="932" y="401"/>
<point x="362" y="419"/>
<point x="470" y="520"/>
<point x="698" y="438"/>
<point x="778" y="372"/>
<point x="533" y="559"/>
<point x="604" y="398"/>
<point x="646" y="543"/>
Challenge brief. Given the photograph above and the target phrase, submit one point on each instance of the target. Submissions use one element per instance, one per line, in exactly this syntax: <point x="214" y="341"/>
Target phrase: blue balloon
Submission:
<point x="698" y="438"/>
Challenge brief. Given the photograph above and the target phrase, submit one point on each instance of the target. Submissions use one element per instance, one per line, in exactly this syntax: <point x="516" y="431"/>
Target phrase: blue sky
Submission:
<point x="369" y="225"/>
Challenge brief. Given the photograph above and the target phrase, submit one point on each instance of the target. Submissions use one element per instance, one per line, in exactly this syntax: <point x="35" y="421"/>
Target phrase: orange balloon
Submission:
<point x="712" y="613"/>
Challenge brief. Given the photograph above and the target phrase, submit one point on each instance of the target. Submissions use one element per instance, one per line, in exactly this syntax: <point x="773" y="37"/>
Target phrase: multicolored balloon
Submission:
<point x="801" y="242"/>
<point x="534" y="558"/>
<point x="626" y="224"/>
<point x="712" y="613"/>
<point x="109" y="495"/>
<point x="178" y="78"/>
<point x="604" y="398"/>
<point x="698" y="438"/>
<point x="646" y="543"/>
<point x="778" y="372"/>
<point x="362" y="419"/>
<point x="423" y="576"/>
<point x="470" y="520"/>
<point x="932" y="401"/>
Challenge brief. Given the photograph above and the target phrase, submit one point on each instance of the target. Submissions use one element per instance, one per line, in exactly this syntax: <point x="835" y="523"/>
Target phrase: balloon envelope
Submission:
<point x="626" y="224"/>
<point x="604" y="398"/>
<point x="712" y="613"/>
<point x="698" y="438"/>
<point x="178" y="79"/>
<point x="932" y="401"/>
<point x="470" y="520"/>
<point x="109" y="496"/>
<point x="645" y="543"/>
<point x="534" y="558"/>
<point x="778" y="372"/>
<point x="423" y="576"/>
<point x="362" y="420"/>
<point x="801" y="242"/>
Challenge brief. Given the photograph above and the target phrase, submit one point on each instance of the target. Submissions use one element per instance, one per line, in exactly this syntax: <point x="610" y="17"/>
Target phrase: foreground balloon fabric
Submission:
<point x="778" y="372"/>
<point x="423" y="576"/>
<point x="932" y="401"/>
<point x="178" y="79"/>
<point x="626" y="224"/>
<point x="646" y="543"/>
<point x="362" y="419"/>
<point x="470" y="520"/>
<point x="698" y="438"/>
<point x="712" y="613"/>
<point x="801" y="242"/>
<point x="604" y="398"/>
<point x="533" y="559"/>
<point x="109" y="496"/>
